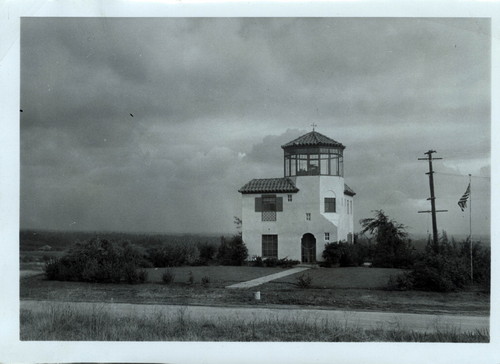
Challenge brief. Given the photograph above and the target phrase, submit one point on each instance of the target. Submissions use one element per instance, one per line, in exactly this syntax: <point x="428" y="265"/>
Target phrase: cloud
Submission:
<point x="153" y="124"/>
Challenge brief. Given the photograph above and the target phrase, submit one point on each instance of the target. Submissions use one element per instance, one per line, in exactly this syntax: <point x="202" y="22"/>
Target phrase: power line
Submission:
<point x="461" y="175"/>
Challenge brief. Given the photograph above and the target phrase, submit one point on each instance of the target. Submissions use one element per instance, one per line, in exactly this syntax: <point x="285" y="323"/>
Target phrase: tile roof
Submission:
<point x="348" y="190"/>
<point x="266" y="185"/>
<point x="313" y="138"/>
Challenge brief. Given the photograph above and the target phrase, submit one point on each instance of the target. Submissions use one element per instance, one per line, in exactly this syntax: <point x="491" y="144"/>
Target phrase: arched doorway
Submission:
<point x="308" y="244"/>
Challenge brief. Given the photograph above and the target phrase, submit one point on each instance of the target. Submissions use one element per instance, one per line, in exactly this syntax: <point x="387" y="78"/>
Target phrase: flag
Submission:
<point x="463" y="200"/>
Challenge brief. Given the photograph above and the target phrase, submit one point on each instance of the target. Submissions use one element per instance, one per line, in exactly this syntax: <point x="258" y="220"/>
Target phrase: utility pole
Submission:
<point x="432" y="198"/>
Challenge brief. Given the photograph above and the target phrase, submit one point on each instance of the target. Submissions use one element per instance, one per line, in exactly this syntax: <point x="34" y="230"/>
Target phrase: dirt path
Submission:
<point x="354" y="319"/>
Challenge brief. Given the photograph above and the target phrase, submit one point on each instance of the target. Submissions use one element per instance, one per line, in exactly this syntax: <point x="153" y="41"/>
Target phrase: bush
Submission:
<point x="304" y="280"/>
<point x="481" y="260"/>
<point x="442" y="273"/>
<point x="207" y="253"/>
<point x="257" y="261"/>
<point x="287" y="263"/>
<point x="233" y="252"/>
<point x="142" y="276"/>
<point x="271" y="262"/>
<point x="52" y="270"/>
<point x="400" y="282"/>
<point x="97" y="260"/>
<point x="205" y="280"/>
<point x="343" y="254"/>
<point x="190" y="278"/>
<point x="168" y="276"/>
<point x="173" y="255"/>
<point x="445" y="266"/>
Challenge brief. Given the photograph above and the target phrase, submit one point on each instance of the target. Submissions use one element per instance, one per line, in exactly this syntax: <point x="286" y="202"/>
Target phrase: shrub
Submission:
<point x="442" y="273"/>
<point x="130" y="273"/>
<point x="173" y="255"/>
<point x="400" y="282"/>
<point x="142" y="276"/>
<point x="190" y="278"/>
<point x="304" y="280"/>
<point x="97" y="260"/>
<point x="233" y="252"/>
<point x="342" y="253"/>
<point x="271" y="262"/>
<point x="481" y="260"/>
<point x="331" y="254"/>
<point x="52" y="270"/>
<point x="205" y="280"/>
<point x="287" y="263"/>
<point x="257" y="261"/>
<point x="168" y="276"/>
<point x="207" y="252"/>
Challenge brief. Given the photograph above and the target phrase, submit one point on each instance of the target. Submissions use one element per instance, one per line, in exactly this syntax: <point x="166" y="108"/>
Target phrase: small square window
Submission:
<point x="308" y="216"/>
<point x="327" y="236"/>
<point x="289" y="198"/>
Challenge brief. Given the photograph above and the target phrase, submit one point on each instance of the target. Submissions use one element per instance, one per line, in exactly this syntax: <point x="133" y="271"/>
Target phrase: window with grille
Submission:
<point x="327" y="236"/>
<point x="269" y="246"/>
<point x="308" y="216"/>
<point x="268" y="205"/>
<point x="289" y="198"/>
<point x="330" y="204"/>
<point x="268" y="215"/>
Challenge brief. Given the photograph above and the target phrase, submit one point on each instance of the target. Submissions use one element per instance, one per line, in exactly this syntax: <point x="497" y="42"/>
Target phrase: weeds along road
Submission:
<point x="349" y="319"/>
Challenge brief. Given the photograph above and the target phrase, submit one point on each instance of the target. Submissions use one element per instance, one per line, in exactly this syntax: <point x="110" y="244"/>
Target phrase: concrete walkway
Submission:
<point x="265" y="279"/>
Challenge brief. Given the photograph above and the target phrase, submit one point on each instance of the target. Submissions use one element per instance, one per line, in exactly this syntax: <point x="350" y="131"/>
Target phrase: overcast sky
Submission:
<point x="214" y="99"/>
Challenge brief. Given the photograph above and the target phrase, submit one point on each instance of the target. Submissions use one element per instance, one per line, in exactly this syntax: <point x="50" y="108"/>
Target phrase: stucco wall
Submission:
<point x="291" y="223"/>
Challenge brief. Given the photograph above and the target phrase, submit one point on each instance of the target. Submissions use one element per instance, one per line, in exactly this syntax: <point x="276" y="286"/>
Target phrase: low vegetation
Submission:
<point x="304" y="280"/>
<point x="257" y="261"/>
<point x="441" y="267"/>
<point x="445" y="267"/>
<point x="168" y="276"/>
<point x="383" y="243"/>
<point x="66" y="323"/>
<point x="99" y="261"/>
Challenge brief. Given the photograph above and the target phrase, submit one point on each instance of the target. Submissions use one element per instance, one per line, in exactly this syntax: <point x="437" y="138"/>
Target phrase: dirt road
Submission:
<point x="352" y="319"/>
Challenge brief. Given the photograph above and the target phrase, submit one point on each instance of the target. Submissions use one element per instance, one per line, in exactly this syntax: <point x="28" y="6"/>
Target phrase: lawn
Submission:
<point x="219" y="276"/>
<point x="332" y="288"/>
<point x="350" y="277"/>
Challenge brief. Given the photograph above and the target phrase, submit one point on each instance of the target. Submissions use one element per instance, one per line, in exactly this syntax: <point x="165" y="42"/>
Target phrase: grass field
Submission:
<point x="220" y="276"/>
<point x="65" y="323"/>
<point x="330" y="289"/>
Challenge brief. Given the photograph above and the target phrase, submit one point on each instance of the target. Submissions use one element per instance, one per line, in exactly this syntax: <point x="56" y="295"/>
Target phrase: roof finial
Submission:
<point x="314" y="126"/>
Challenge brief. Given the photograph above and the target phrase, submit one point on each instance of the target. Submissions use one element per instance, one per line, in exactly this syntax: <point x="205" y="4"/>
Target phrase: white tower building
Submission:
<point x="295" y="216"/>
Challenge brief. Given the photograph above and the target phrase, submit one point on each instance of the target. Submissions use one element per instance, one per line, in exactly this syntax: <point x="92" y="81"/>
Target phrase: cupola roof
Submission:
<point x="313" y="139"/>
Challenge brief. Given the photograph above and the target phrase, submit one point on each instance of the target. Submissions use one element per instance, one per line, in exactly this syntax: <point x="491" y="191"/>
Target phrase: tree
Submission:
<point x="238" y="223"/>
<point x="232" y="252"/>
<point x="392" y="249"/>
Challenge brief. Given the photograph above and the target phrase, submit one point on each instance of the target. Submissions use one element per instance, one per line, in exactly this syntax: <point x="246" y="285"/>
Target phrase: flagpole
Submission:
<point x="470" y="231"/>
